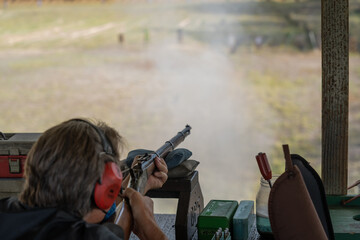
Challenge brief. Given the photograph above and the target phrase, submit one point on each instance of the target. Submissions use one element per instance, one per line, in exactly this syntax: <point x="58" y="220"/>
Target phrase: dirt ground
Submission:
<point x="149" y="94"/>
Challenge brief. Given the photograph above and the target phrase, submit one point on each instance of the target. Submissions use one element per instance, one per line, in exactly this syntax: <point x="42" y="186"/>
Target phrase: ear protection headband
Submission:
<point x="108" y="187"/>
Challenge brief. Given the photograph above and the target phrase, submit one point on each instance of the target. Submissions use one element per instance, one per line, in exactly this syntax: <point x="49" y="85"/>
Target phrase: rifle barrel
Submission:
<point x="173" y="143"/>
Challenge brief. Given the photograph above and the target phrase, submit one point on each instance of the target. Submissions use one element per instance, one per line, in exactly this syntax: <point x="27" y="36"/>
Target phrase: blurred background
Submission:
<point x="245" y="74"/>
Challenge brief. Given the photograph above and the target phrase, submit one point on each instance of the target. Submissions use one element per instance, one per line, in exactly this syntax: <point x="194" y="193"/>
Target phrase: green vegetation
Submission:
<point x="295" y="122"/>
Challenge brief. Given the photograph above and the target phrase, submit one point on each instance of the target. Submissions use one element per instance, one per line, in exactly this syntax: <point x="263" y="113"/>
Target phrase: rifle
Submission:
<point x="145" y="165"/>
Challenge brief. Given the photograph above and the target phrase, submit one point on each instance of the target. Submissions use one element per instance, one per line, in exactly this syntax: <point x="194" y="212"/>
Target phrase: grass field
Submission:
<point x="246" y="75"/>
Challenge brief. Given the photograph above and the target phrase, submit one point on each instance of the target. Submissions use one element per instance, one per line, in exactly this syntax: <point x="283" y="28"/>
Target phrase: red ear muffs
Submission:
<point x="108" y="189"/>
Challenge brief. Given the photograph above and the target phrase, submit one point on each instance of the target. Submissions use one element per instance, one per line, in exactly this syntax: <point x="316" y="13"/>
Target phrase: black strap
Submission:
<point x="104" y="141"/>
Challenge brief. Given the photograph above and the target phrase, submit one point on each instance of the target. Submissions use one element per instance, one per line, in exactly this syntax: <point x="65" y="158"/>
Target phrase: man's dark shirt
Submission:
<point x="18" y="221"/>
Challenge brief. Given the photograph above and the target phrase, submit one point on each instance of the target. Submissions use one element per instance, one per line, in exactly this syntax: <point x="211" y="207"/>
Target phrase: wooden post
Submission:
<point x="335" y="94"/>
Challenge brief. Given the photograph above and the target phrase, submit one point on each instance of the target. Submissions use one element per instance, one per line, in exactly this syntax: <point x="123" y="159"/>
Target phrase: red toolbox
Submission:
<point x="13" y="150"/>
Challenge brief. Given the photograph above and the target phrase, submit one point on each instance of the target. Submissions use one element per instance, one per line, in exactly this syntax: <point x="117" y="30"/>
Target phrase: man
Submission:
<point x="66" y="172"/>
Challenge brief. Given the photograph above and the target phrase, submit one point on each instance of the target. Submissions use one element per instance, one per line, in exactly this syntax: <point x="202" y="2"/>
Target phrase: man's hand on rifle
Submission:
<point x="142" y="221"/>
<point x="140" y="218"/>
<point x="159" y="176"/>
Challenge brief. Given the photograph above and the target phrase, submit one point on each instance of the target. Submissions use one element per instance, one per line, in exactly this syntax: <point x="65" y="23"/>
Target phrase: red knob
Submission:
<point x="264" y="166"/>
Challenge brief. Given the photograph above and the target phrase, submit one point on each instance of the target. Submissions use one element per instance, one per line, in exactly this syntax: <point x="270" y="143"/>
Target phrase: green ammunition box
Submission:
<point x="216" y="214"/>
